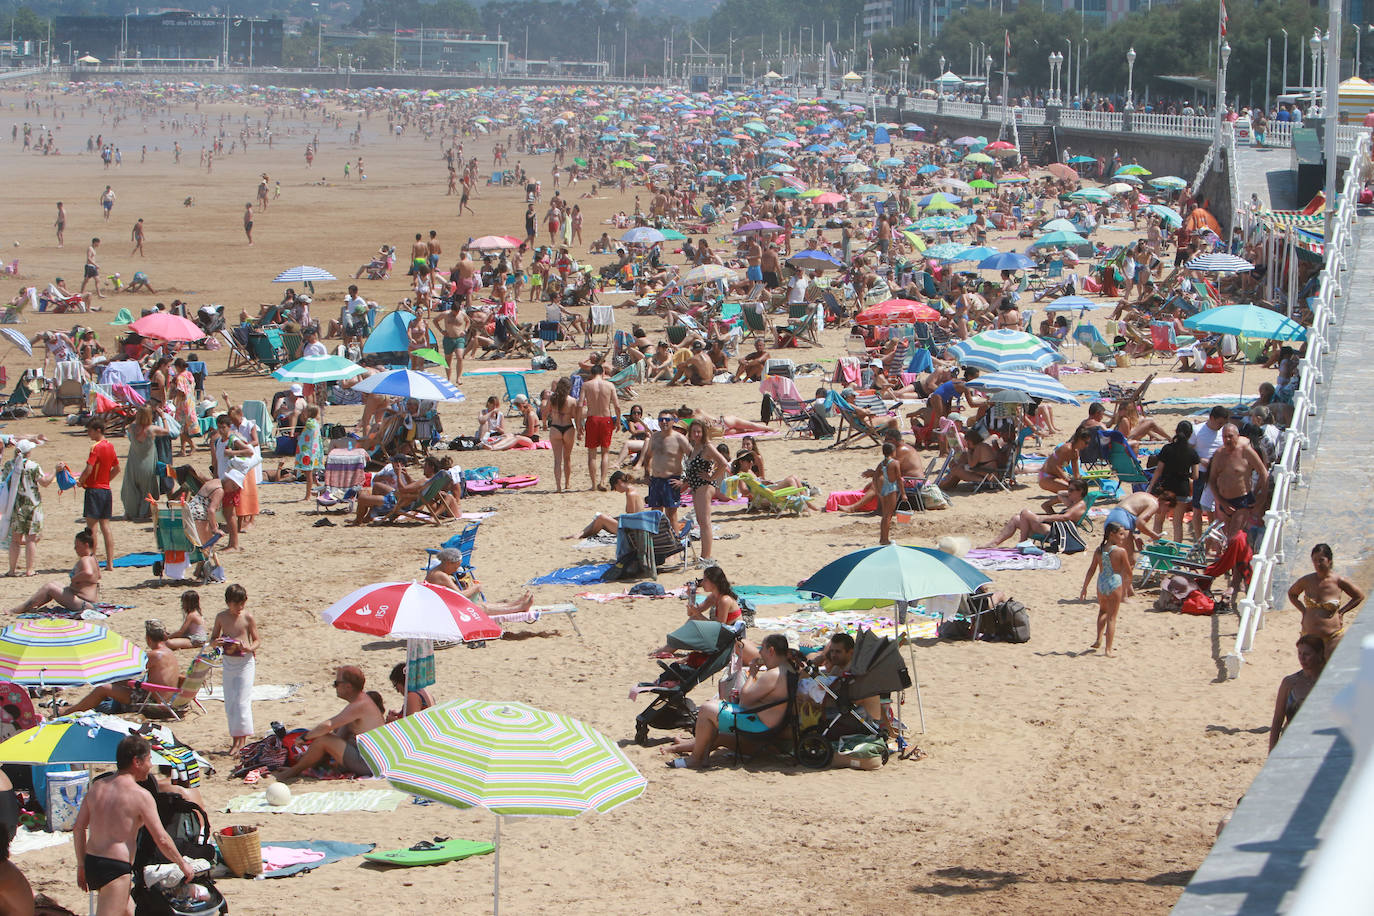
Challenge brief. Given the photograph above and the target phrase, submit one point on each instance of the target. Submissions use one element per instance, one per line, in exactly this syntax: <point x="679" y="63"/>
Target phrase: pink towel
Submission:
<point x="275" y="857"/>
<point x="841" y="498"/>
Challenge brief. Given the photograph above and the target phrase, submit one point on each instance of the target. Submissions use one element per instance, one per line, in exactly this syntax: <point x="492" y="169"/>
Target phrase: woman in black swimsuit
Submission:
<point x="415" y="700"/>
<point x="560" y="418"/>
<point x="702" y="466"/>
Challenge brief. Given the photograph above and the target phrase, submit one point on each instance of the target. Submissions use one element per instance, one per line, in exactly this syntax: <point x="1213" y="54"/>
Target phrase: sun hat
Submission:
<point x="296" y="389"/>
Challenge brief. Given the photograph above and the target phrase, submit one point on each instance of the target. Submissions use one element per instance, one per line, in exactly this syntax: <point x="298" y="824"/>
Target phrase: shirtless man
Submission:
<point x="465" y="279"/>
<point x="83" y="589"/>
<point x="1141" y="514"/>
<point x="449" y="562"/>
<point x="1317" y="596"/>
<point x="336" y="740"/>
<point x="452" y="326"/>
<point x="753" y="254"/>
<point x="92" y="269"/>
<point x="248" y="223"/>
<point x="634" y="502"/>
<point x="1229" y="474"/>
<point x="435" y="249"/>
<point x="771" y="267"/>
<point x="61" y="223"/>
<point x="598" y="407"/>
<point x="162" y="669"/>
<point x="419" y="255"/>
<point x="698" y="370"/>
<point x="751" y="365"/>
<point x="664" y="451"/>
<point x="908" y="464"/>
<point x="764" y="688"/>
<point x="113" y="810"/>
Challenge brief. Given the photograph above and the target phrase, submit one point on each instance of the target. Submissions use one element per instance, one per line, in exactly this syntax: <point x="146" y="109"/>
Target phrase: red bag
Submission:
<point x="1198" y="604"/>
<point x="1214" y="364"/>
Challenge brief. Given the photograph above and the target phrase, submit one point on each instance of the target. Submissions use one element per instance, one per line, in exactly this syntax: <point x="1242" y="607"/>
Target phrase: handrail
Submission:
<point x="1258" y="598"/>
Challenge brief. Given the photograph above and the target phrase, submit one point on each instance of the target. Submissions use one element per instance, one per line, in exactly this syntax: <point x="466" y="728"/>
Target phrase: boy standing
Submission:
<point x="101" y="466"/>
<point x="236" y="632"/>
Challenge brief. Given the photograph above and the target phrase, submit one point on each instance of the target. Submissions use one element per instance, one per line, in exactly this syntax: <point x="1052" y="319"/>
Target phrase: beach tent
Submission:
<point x="852" y="77"/>
<point x="1356" y="99"/>
<point x="389" y="336"/>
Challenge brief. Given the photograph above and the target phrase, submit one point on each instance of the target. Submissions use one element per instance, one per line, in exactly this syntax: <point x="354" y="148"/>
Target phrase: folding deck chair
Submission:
<point x="515" y="385"/>
<point x="429" y="502"/>
<point x="343" y="471"/>
<point x="649" y="537"/>
<point x="174" y="701"/>
<point x="857" y="426"/>
<point x="602" y="323"/>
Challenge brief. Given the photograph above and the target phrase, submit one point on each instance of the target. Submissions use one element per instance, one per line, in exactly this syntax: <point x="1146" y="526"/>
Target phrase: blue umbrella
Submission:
<point x="389" y="336"/>
<point x="1036" y="384"/>
<point x="814" y="260"/>
<point x="1246" y="321"/>
<point x="1060" y="239"/>
<point x="1006" y="260"/>
<point x="1072" y="304"/>
<point x="980" y="253"/>
<point x="642" y="235"/>
<point x="1220" y="263"/>
<point x="405" y="383"/>
<point x="303" y="274"/>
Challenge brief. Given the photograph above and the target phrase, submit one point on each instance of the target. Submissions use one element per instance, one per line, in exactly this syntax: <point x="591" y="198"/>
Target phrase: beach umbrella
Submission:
<point x="1073" y="304"/>
<point x="1246" y="320"/>
<point x="510" y="758"/>
<point x="1001" y="350"/>
<point x="55" y="652"/>
<point x="166" y="326"/>
<point x="390" y="335"/>
<point x="406" y="383"/>
<point x="938" y="196"/>
<point x="19" y="340"/>
<point x="1035" y="384"/>
<point x="642" y="235"/>
<point x="940" y="203"/>
<point x="949" y="251"/>
<point x="83" y="739"/>
<point x="892" y="162"/>
<point x="303" y="274"/>
<point x="1006" y="260"/>
<point x="896" y="311"/>
<point x="1096" y="195"/>
<point x="1171" y="217"/>
<point x="982" y="158"/>
<point x="1059" y="239"/>
<point x="1059" y="225"/>
<point x="709" y="273"/>
<point x="411" y="610"/>
<point x="1169" y="182"/>
<point x="314" y="369"/>
<point x="981" y="184"/>
<point x="1133" y="169"/>
<point x="928" y="169"/>
<point x="1060" y="170"/>
<point x="1081" y="160"/>
<point x="671" y="235"/>
<point x="938" y="224"/>
<point x="869" y="189"/>
<point x="828" y="197"/>
<point x="1013" y="179"/>
<point x="1219" y="262"/>
<point x="966" y="141"/>
<point x="913" y="128"/>
<point x="957" y="185"/>
<point x="429" y="355"/>
<point x="758" y="226"/>
<point x="492" y="243"/>
<point x="1118" y="187"/>
<point x="814" y="260"/>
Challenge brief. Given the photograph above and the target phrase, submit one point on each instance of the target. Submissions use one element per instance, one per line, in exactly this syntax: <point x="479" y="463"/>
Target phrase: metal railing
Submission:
<point x="1258" y="599"/>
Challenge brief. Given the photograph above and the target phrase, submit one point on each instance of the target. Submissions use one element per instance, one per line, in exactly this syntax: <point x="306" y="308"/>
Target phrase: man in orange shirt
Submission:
<point x="101" y="466"/>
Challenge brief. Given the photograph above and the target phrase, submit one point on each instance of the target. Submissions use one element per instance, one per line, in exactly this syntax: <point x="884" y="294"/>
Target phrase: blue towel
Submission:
<point x="134" y="559"/>
<point x="773" y="594"/>
<point x="333" y="851"/>
<point x="573" y="575"/>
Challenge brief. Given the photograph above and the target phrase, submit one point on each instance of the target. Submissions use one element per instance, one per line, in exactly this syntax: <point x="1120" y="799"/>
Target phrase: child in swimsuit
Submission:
<point x="887" y="480"/>
<point x="1113" y="583"/>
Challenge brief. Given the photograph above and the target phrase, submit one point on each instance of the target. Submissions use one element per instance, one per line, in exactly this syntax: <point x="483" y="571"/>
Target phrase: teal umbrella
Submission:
<point x="1096" y="195"/>
<point x="510" y="758"/>
<point x="1060" y="239"/>
<point x="1169" y="215"/>
<point x="1247" y="321"/>
<point x="314" y="369"/>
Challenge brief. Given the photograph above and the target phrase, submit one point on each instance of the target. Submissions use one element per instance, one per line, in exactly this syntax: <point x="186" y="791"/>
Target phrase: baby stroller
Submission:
<point x="189" y="827"/>
<point x="877" y="668"/>
<point x="210" y="318"/>
<point x="710" y="644"/>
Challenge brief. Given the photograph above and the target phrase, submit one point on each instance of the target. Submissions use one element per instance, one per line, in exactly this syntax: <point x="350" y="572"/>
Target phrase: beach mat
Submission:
<point x="132" y="560"/>
<point x="330" y="801"/>
<point x="1010" y="558"/>
<point x="333" y="851"/>
<point x="26" y="840"/>
<point x="573" y="575"/>
<point x="261" y="692"/>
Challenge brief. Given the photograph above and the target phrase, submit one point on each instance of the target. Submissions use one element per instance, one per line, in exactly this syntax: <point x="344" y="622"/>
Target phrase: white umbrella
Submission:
<point x="303" y="274"/>
<point x="19" y="340"/>
<point x="709" y="273"/>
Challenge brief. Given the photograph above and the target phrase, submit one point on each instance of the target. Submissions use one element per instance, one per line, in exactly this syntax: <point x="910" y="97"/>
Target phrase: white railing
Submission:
<point x="1258" y="597"/>
<point x="1174" y="125"/>
<point x="1233" y="179"/>
<point x="1031" y="117"/>
<point x="1092" y="120"/>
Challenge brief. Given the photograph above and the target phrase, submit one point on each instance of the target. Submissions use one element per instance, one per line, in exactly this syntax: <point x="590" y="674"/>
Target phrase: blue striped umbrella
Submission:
<point x="1006" y="260"/>
<point x="1073" y="304"/>
<point x="950" y="251"/>
<point x="642" y="235"/>
<point x="1036" y="384"/>
<point x="303" y="274"/>
<point x="1219" y="262"/>
<point x="1002" y="350"/>
<point x="406" y="383"/>
<point x="314" y="369"/>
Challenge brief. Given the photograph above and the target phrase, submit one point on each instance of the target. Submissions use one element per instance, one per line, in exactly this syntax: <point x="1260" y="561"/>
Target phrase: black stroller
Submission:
<point x="877" y="668"/>
<point x="711" y="644"/>
<point x="189" y="828"/>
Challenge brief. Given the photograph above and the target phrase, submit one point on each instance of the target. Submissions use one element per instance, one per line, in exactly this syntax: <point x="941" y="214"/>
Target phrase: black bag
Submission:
<point x="1011" y="621"/>
<point x="955" y="628"/>
<point x="462" y="444"/>
<point x="1064" y="538"/>
<point x="626" y="567"/>
<point x="766" y="409"/>
<point x="820" y="426"/>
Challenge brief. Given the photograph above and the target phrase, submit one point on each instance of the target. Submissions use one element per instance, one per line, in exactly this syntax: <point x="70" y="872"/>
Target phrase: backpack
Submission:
<point x="820" y="426"/>
<point x="1064" y="538"/>
<point x="766" y="409"/>
<point x="955" y="628"/>
<point x="1011" y="622"/>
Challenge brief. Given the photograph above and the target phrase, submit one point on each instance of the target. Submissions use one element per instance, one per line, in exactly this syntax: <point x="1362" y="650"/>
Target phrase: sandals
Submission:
<point x="677" y="763"/>
<point x="428" y="845"/>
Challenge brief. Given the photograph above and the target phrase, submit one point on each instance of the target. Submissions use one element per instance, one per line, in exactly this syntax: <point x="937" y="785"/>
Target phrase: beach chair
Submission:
<point x="791" y="500"/>
<point x="17" y="404"/>
<point x="179" y="551"/>
<point x="465" y="542"/>
<point x="780" y="366"/>
<point x="429" y="504"/>
<point x="14" y="313"/>
<point x="176" y="700"/>
<point x="515" y="385"/>
<point x="651" y="539"/>
<point x="343" y="472"/>
<point x="1090" y="337"/>
<point x="782" y="738"/>
<point x="756" y="324"/>
<point x="1124" y="462"/>
<point x="1054" y="271"/>
<point x="267" y="426"/>
<point x="602" y="323"/>
<point x="676" y="334"/>
<point x="1166" y="343"/>
<point x="1005" y="478"/>
<point x="858" y="427"/>
<point x="800" y="330"/>
<point x="239" y="357"/>
<point x="625" y="380"/>
<point x="267" y="348"/>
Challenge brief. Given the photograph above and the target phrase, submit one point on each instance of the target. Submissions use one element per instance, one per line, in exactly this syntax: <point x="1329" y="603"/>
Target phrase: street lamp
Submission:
<point x="940" y="80"/>
<point x="1130" y="79"/>
<point x="1225" y="58"/>
<point x="1315" y="44"/>
<point x="1068" y="80"/>
<point x="905" y="62"/>
<point x="1056" y="77"/>
<point x="987" y="77"/>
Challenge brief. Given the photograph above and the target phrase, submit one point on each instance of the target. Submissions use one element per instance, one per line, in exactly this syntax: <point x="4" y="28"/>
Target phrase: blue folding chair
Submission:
<point x="515" y="385"/>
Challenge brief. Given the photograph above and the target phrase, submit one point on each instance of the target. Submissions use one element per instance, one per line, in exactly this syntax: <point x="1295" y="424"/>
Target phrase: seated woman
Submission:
<point x="1293" y="690"/>
<point x="719" y="600"/>
<point x="192" y="633"/>
<point x="415" y="700"/>
<point x="83" y="589"/>
<point x="1061" y="468"/>
<point x="747" y="463"/>
<point x="1128" y="422"/>
<point x="983" y="458"/>
<point x="1025" y="523"/>
<point x="495" y="438"/>
<point x="725" y="423"/>
<point x="639" y="435"/>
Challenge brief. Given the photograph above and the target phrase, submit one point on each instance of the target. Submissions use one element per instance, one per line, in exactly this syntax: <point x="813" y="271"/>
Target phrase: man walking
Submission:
<point x="92" y="269"/>
<point x="111" y="814"/>
<point x="599" y="407"/>
<point x="101" y="466"/>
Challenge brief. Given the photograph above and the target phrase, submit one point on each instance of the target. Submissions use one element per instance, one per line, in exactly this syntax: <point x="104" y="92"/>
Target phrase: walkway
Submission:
<point x="1259" y="858"/>
<point x="1268" y="173"/>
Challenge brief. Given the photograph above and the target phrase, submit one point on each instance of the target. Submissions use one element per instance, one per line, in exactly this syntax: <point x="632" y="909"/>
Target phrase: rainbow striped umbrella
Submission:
<point x="510" y="758"/>
<point x="54" y="652"/>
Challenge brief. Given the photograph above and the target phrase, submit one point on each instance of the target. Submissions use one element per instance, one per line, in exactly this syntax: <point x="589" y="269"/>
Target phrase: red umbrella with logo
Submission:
<point x="412" y="610"/>
<point x="897" y="311"/>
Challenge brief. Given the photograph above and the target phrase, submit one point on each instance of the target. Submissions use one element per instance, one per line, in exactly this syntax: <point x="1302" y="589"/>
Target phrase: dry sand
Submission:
<point x="1056" y="781"/>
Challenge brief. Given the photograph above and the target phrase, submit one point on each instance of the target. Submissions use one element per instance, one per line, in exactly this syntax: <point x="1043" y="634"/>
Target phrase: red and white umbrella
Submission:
<point x="412" y="610"/>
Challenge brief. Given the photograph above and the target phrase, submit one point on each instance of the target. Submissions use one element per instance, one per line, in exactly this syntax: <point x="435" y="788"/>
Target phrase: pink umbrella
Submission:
<point x="166" y="326"/>
<point x="491" y="243"/>
<point x="829" y="197"/>
<point x="411" y="610"/>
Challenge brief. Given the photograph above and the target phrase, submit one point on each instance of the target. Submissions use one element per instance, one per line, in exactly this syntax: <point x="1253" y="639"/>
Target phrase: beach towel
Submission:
<point x="601" y="539"/>
<point x="838" y="499"/>
<point x="132" y="560"/>
<point x="1008" y="558"/>
<point x="259" y="692"/>
<point x="330" y="801"/>
<point x="26" y="840"/>
<point x="534" y="613"/>
<point x="99" y="611"/>
<point x="419" y="664"/>
<point x="329" y="851"/>
<point x="237" y="679"/>
<point x="773" y="594"/>
<point x="573" y="575"/>
<point x="813" y="628"/>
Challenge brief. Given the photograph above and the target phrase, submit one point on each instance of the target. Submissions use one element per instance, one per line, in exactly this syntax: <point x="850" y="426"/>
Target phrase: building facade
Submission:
<point x="241" y="40"/>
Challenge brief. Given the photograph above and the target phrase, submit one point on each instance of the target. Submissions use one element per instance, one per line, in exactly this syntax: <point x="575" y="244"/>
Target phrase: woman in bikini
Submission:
<point x="560" y="419"/>
<point x="1130" y="424"/>
<point x="1062" y="465"/>
<point x="724" y="424"/>
<point x="703" y="465"/>
<point x="415" y="700"/>
<point x="1295" y="688"/>
<point x="1318" y="597"/>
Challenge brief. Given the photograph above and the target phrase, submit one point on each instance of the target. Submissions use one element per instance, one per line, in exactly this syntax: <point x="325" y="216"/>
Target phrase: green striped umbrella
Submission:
<point x="510" y="758"/>
<point x="316" y="369"/>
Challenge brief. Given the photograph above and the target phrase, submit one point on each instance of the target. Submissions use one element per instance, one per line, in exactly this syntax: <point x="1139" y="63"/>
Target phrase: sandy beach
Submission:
<point x="1053" y="780"/>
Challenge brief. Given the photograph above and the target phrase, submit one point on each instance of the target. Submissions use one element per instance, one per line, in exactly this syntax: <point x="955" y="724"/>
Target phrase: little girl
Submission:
<point x="887" y="483"/>
<point x="1113" y="582"/>
<point x="310" y="450"/>
<point x="191" y="633"/>
<point x="184" y="413"/>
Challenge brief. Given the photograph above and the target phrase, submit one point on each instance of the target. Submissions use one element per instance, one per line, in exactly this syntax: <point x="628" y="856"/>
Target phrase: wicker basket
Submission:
<point x="241" y="849"/>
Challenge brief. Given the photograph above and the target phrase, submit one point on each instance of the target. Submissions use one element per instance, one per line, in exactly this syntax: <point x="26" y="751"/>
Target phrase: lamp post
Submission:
<point x="1283" y="85"/>
<point x="1067" y="82"/>
<point x="940" y="80"/>
<point x="1223" y="56"/>
<point x="1315" y="45"/>
<point x="905" y="63"/>
<point x="1358" y="32"/>
<point x="987" y="78"/>
<point x="1130" y="79"/>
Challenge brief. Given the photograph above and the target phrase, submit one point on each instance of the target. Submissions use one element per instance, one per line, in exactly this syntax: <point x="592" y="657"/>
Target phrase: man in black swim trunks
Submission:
<point x="113" y="810"/>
